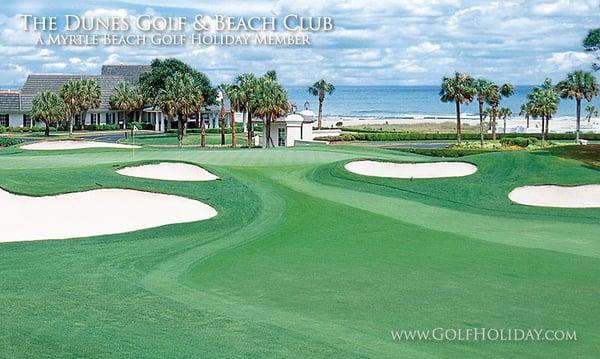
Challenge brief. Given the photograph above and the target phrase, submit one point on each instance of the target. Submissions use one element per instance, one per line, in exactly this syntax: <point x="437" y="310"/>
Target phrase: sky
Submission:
<point x="375" y="42"/>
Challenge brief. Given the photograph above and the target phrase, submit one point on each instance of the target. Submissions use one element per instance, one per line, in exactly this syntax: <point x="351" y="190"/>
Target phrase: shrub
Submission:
<point x="102" y="127"/>
<point x="6" y="142"/>
<point x="421" y="136"/>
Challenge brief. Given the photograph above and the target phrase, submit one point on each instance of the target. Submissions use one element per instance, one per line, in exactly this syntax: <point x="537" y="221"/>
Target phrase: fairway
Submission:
<point x="304" y="258"/>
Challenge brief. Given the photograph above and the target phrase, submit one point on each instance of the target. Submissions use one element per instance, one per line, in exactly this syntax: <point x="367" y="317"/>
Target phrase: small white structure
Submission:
<point x="285" y="131"/>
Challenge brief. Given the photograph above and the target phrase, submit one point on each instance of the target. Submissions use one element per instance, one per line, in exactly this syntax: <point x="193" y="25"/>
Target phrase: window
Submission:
<point x="26" y="121"/>
<point x="92" y="118"/>
<point x="4" y="120"/>
<point x="281" y="136"/>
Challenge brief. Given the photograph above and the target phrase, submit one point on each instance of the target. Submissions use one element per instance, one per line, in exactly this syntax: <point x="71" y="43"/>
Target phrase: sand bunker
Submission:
<point x="169" y="172"/>
<point x="411" y="170"/>
<point x="92" y="213"/>
<point x="72" y="145"/>
<point x="587" y="196"/>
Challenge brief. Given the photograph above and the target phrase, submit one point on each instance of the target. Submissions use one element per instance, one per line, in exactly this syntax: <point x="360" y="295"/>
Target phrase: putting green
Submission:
<point x="304" y="260"/>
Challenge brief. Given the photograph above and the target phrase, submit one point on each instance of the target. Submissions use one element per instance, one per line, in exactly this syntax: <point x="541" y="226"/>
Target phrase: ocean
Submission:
<point x="397" y="102"/>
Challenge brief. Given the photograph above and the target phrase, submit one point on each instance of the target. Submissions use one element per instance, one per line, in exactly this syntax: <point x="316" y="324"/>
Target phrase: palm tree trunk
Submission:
<point x="222" y="126"/>
<point x="458" y="125"/>
<point x="244" y="120"/>
<point x="179" y="131"/>
<point x="547" y="125"/>
<point x="270" y="121"/>
<point x="320" y="122"/>
<point x="250" y="129"/>
<point x="266" y="133"/>
<point x="47" y="130"/>
<point x="578" y="127"/>
<point x="527" y="119"/>
<point x="132" y="124"/>
<point x="71" y="126"/>
<point x="481" y="123"/>
<point x="232" y="129"/>
<point x="504" y="124"/>
<point x="543" y="130"/>
<point x="202" y="133"/>
<point x="493" y="123"/>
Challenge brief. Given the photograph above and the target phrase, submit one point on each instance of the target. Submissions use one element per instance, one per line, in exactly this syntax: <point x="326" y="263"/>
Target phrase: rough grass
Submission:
<point x="303" y="260"/>
<point x="589" y="154"/>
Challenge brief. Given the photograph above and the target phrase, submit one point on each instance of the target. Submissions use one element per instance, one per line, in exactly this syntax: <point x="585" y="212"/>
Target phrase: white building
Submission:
<point x="293" y="129"/>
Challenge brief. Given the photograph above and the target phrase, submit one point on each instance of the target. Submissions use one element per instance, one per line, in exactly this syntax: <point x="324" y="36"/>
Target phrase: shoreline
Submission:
<point x="562" y="124"/>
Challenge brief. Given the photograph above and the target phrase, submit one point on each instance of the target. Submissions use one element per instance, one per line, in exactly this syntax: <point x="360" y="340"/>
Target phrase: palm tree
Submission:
<point x="459" y="89"/>
<point x="91" y="97"/>
<point x="578" y="85"/>
<point x="49" y="108"/>
<point x="543" y="102"/>
<point x="70" y="94"/>
<point x="235" y="95"/>
<point x="320" y="88"/>
<point x="124" y="99"/>
<point x="247" y="85"/>
<point x="496" y="94"/>
<point x="483" y="88"/>
<point x="222" y="113"/>
<point x="525" y="111"/>
<point x="166" y="100"/>
<point x="188" y="101"/>
<point x="269" y="101"/>
<point x="504" y="113"/>
<point x="591" y="111"/>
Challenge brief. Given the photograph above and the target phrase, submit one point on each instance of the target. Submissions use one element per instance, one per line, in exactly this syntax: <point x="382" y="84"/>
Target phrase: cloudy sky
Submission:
<point x="382" y="42"/>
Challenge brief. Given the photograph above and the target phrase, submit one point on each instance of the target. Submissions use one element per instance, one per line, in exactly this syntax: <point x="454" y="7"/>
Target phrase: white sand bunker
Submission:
<point x="72" y="145"/>
<point x="169" y="172"/>
<point x="411" y="170"/>
<point x="92" y="213"/>
<point x="586" y="196"/>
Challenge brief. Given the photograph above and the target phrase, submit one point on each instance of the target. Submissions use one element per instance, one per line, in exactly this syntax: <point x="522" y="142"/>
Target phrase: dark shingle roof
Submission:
<point x="9" y="101"/>
<point x="131" y="73"/>
<point x="38" y="83"/>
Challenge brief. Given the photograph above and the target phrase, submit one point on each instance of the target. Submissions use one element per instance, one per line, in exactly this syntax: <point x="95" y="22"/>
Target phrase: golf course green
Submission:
<point x="304" y="259"/>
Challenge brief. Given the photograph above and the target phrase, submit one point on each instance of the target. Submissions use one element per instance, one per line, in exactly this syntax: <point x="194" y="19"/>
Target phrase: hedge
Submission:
<point x="24" y="129"/>
<point x="238" y="129"/>
<point x="444" y="152"/>
<point x="419" y="136"/>
<point x="519" y="141"/>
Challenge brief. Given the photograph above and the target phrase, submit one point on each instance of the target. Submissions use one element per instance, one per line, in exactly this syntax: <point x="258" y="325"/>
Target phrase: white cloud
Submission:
<point x="424" y="48"/>
<point x="569" y="60"/>
<point x="53" y="66"/>
<point x="566" y="7"/>
<point x="375" y="42"/>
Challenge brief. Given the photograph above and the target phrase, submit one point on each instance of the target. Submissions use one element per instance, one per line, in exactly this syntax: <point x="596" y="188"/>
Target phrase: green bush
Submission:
<point x="420" y="136"/>
<point x="3" y="129"/>
<point x="101" y="127"/>
<point x="443" y="152"/>
<point x="238" y="129"/>
<point x="6" y="142"/>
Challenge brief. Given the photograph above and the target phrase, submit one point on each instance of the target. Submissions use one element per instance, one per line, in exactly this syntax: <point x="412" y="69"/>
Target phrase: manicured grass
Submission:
<point x="304" y="260"/>
<point x="191" y="139"/>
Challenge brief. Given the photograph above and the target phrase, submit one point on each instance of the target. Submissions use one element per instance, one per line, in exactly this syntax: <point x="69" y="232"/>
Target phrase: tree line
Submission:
<point x="180" y="92"/>
<point x="542" y="101"/>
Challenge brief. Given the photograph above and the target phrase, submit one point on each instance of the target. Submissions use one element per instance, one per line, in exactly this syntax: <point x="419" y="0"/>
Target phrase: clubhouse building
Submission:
<point x="16" y="105"/>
